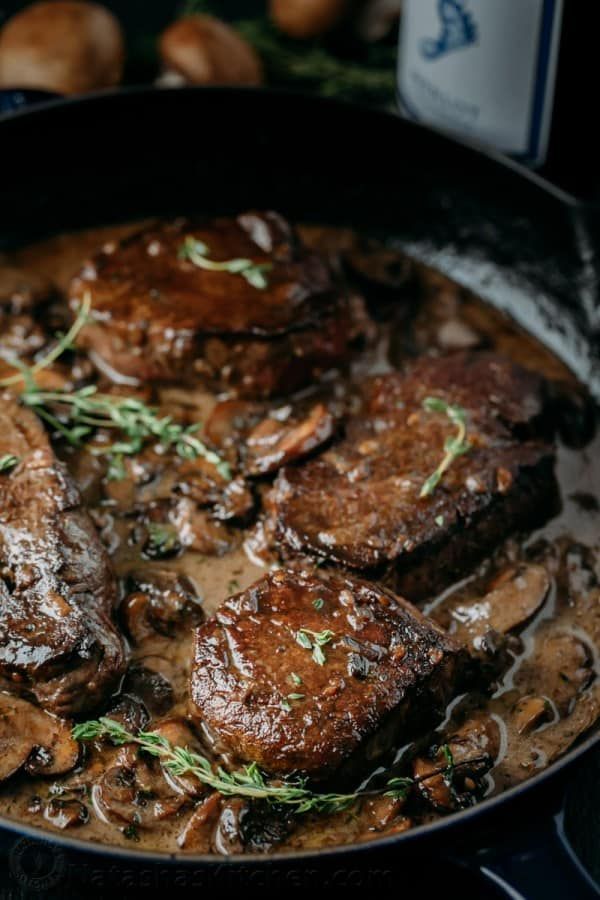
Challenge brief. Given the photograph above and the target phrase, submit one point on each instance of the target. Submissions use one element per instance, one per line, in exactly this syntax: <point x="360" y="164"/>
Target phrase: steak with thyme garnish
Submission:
<point x="299" y="673"/>
<point x="58" y="642"/>
<point x="233" y="303"/>
<point x="441" y="464"/>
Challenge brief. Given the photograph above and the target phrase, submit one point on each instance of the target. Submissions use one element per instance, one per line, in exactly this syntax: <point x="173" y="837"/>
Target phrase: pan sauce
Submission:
<point x="548" y="693"/>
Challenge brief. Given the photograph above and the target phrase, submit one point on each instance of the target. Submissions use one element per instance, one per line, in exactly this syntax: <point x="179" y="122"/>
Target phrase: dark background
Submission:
<point x="575" y="140"/>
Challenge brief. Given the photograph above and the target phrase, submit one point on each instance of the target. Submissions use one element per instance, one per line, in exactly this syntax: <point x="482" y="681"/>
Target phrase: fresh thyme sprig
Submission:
<point x="453" y="447"/>
<point x="77" y="414"/>
<point x="8" y="462"/>
<point x="315" y="641"/>
<point x="196" y="252"/>
<point x="248" y="782"/>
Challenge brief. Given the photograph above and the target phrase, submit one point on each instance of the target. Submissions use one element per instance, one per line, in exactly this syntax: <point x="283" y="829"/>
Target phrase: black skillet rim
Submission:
<point x="466" y="817"/>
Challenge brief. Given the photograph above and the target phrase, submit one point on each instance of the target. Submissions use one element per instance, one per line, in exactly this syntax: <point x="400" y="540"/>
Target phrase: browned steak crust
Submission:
<point x="359" y="504"/>
<point x="57" y="588"/>
<point x="158" y="316"/>
<point x="262" y="694"/>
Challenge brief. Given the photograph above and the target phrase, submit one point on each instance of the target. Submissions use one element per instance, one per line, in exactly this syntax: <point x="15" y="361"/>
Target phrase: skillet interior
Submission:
<point x="467" y="215"/>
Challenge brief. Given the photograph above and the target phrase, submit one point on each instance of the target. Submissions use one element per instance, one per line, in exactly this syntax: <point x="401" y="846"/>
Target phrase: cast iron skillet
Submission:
<point x="522" y="245"/>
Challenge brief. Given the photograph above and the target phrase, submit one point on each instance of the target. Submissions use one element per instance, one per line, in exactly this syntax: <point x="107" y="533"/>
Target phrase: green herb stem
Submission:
<point x="453" y="447"/>
<point x="196" y="252"/>
<point x="65" y="342"/>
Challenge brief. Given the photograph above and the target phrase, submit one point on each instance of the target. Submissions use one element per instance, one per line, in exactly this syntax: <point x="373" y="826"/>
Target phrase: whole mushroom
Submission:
<point x="201" y="49"/>
<point x="306" y="18"/>
<point x="63" y="46"/>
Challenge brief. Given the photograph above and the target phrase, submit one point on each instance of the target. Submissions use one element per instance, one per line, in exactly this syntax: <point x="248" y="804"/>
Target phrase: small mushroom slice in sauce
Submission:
<point x="275" y="442"/>
<point x="263" y="440"/>
<point x="66" y="812"/>
<point x="197" y="833"/>
<point x="134" y="792"/>
<point x="34" y="740"/>
<point x="516" y="595"/>
<point x="450" y="776"/>
<point x="179" y="734"/>
<point x="562" y="666"/>
<point x="159" y="601"/>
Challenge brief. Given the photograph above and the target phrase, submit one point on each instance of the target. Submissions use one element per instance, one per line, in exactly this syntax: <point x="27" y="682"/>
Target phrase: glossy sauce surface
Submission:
<point x="547" y="693"/>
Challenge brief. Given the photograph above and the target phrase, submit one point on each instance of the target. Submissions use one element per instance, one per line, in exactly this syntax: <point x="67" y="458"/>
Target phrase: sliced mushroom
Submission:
<point x="198" y="531"/>
<point x="516" y="596"/>
<point x="228" y="835"/>
<point x="560" y="668"/>
<point x="230" y="419"/>
<point x="66" y="812"/>
<point x="129" y="712"/>
<point x="160" y="600"/>
<point x="153" y="689"/>
<point x="33" y="739"/>
<point x="236" y="502"/>
<point x="382" y="811"/>
<point x="274" y="443"/>
<point x="197" y="833"/>
<point x="134" y="792"/>
<point x="531" y="712"/>
<point x="451" y="773"/>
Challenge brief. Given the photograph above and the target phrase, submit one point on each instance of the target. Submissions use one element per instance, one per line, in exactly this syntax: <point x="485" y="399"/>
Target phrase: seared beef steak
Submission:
<point x="159" y="315"/>
<point x="363" y="503"/>
<point x="57" y="589"/>
<point x="297" y="672"/>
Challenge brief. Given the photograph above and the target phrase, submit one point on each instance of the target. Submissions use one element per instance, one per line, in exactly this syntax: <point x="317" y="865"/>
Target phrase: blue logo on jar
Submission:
<point x="458" y="30"/>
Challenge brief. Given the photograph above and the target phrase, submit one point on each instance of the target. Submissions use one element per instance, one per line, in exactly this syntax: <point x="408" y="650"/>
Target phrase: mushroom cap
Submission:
<point x="204" y="50"/>
<point x="306" y="18"/>
<point x="64" y="46"/>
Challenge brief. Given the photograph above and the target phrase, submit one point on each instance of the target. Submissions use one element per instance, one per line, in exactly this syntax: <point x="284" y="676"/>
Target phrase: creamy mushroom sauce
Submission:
<point x="548" y="694"/>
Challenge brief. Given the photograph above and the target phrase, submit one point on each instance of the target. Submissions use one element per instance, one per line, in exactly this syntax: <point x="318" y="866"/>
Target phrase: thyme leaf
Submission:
<point x="8" y="462"/>
<point x="196" y="252"/>
<point x="315" y="641"/>
<point x="453" y="447"/>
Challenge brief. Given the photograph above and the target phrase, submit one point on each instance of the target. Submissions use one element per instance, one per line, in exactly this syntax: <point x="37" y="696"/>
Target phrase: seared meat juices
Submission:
<point x="240" y="593"/>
